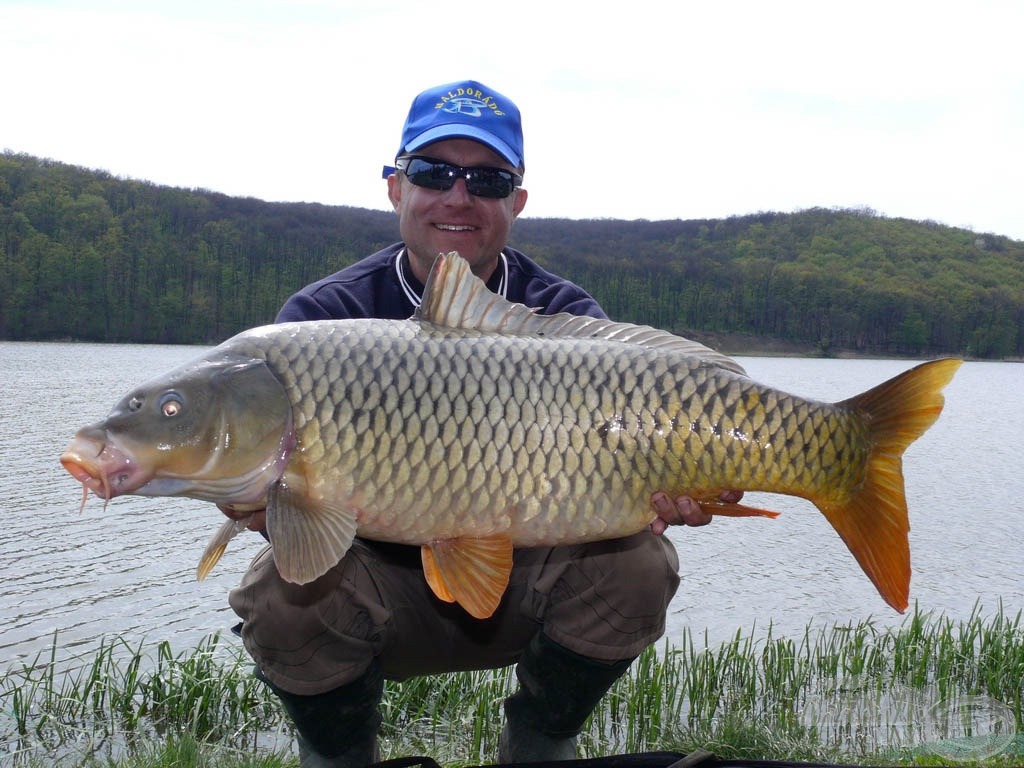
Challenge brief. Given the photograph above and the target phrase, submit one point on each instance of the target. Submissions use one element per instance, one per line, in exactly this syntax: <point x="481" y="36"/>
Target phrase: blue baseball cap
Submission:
<point x="466" y="110"/>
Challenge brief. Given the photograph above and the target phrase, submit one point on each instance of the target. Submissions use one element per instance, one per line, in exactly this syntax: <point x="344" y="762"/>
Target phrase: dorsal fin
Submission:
<point x="456" y="298"/>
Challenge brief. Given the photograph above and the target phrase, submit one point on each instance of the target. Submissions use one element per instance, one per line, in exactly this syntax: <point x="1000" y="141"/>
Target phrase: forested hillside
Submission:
<point x="85" y="255"/>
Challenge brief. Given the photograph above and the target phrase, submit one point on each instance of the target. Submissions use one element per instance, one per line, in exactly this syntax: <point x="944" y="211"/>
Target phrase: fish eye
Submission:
<point x="171" y="405"/>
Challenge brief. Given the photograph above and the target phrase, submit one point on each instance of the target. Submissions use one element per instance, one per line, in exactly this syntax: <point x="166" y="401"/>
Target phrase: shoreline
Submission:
<point x="750" y="345"/>
<point x="726" y="342"/>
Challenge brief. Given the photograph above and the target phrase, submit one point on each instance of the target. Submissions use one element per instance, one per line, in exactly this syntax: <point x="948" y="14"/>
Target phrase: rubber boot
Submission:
<point x="337" y="729"/>
<point x="558" y="689"/>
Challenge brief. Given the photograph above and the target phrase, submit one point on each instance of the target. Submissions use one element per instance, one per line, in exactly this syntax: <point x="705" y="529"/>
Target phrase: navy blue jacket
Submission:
<point x="381" y="287"/>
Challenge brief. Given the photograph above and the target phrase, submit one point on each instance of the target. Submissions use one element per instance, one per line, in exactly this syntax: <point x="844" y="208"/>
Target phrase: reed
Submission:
<point x="121" y="700"/>
<point x="931" y="691"/>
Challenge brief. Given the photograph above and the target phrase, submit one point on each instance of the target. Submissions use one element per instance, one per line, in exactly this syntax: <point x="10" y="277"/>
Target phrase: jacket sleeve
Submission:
<point x="301" y="307"/>
<point x="328" y="301"/>
<point x="566" y="297"/>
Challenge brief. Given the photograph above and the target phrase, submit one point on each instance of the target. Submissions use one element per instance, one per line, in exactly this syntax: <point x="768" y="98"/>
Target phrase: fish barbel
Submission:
<point x="479" y="425"/>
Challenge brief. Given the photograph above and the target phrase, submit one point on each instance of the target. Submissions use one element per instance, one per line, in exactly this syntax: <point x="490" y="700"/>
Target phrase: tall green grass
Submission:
<point x="121" y="700"/>
<point x="952" y="689"/>
<point x="928" y="692"/>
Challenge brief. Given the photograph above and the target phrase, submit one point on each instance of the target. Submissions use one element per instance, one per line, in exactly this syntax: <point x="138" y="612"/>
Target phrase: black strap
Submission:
<point x="696" y="759"/>
<point x="699" y="757"/>
<point x="407" y="762"/>
<point x="642" y="760"/>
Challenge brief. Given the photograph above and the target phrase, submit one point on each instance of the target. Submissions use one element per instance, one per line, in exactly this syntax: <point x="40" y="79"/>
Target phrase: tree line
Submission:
<point x="89" y="256"/>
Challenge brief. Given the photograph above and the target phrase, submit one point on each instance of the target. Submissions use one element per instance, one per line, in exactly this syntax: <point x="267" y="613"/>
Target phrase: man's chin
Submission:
<point x="467" y="249"/>
<point x="470" y="251"/>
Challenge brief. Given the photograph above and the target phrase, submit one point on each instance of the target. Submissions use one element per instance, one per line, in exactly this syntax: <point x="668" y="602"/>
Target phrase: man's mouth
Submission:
<point x="454" y="227"/>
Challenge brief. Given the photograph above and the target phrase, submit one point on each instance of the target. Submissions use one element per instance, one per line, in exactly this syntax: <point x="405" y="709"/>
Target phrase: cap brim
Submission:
<point x="462" y="131"/>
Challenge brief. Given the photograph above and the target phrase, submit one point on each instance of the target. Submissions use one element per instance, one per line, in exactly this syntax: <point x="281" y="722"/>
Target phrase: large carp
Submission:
<point x="479" y="425"/>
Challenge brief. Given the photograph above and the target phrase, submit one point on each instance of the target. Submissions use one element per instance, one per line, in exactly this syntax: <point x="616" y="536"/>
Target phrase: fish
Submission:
<point x="479" y="425"/>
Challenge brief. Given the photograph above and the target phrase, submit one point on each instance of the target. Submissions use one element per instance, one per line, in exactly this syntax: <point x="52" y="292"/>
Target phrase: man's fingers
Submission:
<point x="257" y="517"/>
<point x="258" y="522"/>
<point x="680" y="511"/>
<point x="691" y="512"/>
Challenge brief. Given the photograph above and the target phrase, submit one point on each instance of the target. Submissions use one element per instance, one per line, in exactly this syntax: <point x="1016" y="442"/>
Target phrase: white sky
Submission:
<point x="656" y="110"/>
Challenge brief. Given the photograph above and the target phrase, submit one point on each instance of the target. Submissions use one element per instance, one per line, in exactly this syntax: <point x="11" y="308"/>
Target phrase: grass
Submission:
<point x="930" y="692"/>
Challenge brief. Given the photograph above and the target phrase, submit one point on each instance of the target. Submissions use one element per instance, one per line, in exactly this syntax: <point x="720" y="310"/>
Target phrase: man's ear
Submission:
<point x="519" y="203"/>
<point x="395" y="190"/>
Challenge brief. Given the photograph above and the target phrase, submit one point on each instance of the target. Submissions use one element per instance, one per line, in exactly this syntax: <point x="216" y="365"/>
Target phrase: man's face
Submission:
<point x="436" y="221"/>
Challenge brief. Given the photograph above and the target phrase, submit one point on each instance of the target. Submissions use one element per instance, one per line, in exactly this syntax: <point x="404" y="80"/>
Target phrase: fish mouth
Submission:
<point x="107" y="469"/>
<point x="102" y="467"/>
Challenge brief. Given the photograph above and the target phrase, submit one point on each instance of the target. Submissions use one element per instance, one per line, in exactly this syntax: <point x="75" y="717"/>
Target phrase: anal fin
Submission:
<point x="732" y="509"/>
<point x="473" y="572"/>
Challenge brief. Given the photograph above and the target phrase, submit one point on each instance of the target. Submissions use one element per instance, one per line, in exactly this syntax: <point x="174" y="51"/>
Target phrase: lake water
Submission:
<point x="127" y="569"/>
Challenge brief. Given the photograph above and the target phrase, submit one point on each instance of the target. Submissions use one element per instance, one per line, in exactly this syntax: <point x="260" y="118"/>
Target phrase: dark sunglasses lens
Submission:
<point x="482" y="182"/>
<point x="423" y="173"/>
<point x="489" y="182"/>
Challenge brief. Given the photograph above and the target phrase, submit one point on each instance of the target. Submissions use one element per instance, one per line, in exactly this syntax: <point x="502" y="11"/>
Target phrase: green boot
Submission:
<point x="337" y="729"/>
<point x="558" y="689"/>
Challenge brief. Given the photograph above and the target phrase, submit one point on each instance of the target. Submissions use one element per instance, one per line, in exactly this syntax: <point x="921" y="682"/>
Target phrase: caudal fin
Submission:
<point x="874" y="523"/>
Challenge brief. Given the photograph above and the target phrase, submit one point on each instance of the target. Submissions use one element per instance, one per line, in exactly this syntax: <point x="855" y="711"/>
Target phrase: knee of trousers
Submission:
<point x="608" y="600"/>
<point x="311" y="638"/>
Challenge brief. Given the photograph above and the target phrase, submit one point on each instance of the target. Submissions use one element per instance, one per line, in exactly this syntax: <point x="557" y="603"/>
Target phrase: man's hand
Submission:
<point x="259" y="516"/>
<point x="683" y="510"/>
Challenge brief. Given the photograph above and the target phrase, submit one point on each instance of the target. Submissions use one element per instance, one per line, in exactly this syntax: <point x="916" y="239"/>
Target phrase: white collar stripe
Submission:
<point x="415" y="299"/>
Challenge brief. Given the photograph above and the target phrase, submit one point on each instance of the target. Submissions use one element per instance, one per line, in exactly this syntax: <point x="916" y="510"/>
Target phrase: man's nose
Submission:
<point x="459" y="193"/>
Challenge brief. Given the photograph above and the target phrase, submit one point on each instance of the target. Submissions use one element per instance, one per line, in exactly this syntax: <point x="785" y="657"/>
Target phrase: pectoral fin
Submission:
<point x="309" y="536"/>
<point x="472" y="572"/>
<point x="217" y="544"/>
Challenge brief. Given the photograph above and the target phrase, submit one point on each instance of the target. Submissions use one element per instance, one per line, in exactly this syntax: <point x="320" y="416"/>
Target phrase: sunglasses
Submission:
<point x="480" y="180"/>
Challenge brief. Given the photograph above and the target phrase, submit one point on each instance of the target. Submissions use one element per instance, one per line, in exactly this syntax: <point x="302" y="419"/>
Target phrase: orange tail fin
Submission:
<point x="873" y="522"/>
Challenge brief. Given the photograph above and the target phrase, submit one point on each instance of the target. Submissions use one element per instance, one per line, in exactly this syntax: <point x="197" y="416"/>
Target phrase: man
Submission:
<point x="574" y="617"/>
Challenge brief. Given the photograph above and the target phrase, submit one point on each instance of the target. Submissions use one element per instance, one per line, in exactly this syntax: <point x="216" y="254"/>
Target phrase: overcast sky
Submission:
<point x="656" y="110"/>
